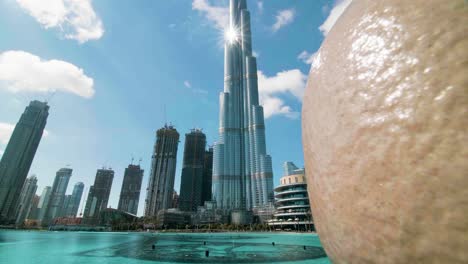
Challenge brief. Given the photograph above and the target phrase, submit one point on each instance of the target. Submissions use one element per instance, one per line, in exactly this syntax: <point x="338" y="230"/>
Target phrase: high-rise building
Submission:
<point x="57" y="195"/>
<point x="292" y="201"/>
<point x="242" y="170"/>
<point x="191" y="184"/>
<point x="18" y="157"/>
<point x="65" y="205"/>
<point x="130" y="192"/>
<point x="98" y="195"/>
<point x="44" y="202"/>
<point x="163" y="166"/>
<point x="75" y="199"/>
<point x="25" y="200"/>
<point x="207" y="176"/>
<point x="34" y="211"/>
<point x="175" y="200"/>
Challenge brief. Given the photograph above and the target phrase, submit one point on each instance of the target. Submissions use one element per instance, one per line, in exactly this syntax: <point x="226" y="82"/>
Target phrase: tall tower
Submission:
<point x="242" y="171"/>
<point x="98" y="195"/>
<point x="130" y="192"/>
<point x="207" y="176"/>
<point x="44" y="202"/>
<point x="57" y="195"/>
<point x="25" y="201"/>
<point x="74" y="203"/>
<point x="18" y="157"/>
<point x="163" y="166"/>
<point x="191" y="184"/>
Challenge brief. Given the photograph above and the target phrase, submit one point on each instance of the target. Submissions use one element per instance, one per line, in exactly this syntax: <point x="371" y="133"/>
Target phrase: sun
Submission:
<point x="231" y="35"/>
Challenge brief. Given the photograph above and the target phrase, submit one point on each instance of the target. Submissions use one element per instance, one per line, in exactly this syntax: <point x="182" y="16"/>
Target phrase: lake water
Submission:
<point x="42" y="247"/>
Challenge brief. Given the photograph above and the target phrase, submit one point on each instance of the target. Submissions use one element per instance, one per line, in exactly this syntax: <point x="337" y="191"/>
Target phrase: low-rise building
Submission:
<point x="292" y="201"/>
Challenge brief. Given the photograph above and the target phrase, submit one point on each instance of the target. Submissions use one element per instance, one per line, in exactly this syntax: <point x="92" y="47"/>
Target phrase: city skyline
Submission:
<point x="181" y="93"/>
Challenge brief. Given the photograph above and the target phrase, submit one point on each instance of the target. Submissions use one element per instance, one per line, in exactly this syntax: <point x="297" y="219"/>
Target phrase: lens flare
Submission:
<point x="231" y="35"/>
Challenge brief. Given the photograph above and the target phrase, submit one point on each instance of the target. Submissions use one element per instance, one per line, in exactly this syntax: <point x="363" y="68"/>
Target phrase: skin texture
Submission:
<point x="385" y="119"/>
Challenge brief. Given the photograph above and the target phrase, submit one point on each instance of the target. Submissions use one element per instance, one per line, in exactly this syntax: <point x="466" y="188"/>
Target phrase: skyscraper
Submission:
<point x="191" y="185"/>
<point x="44" y="202"/>
<point x="98" y="195"/>
<point x="207" y="176"/>
<point x="130" y="192"/>
<point x="163" y="165"/>
<point x="25" y="200"/>
<point x="18" y="157"/>
<point x="57" y="195"/>
<point x="242" y="171"/>
<point x="75" y="199"/>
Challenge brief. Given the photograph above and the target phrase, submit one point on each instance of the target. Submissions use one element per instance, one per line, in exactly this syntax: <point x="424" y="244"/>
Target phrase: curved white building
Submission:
<point x="292" y="201"/>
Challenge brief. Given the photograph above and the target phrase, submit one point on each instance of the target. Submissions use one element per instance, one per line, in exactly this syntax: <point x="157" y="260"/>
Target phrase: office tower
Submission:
<point x="175" y="200"/>
<point x="65" y="205"/>
<point x="25" y="200"/>
<point x="75" y="199"/>
<point x="130" y="192"/>
<point x="292" y="201"/>
<point x="44" y="202"/>
<point x="191" y="183"/>
<point x="98" y="195"/>
<point x="34" y="211"/>
<point x="57" y="195"/>
<point x="163" y="165"/>
<point x="207" y="176"/>
<point x="242" y="171"/>
<point x="18" y="157"/>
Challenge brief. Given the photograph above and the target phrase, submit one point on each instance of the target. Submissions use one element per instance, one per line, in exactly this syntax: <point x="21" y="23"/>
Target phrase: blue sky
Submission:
<point x="116" y="71"/>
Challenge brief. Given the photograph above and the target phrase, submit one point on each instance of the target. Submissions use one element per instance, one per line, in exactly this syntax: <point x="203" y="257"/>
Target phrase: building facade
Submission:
<point x="163" y="166"/>
<point x="98" y="196"/>
<point x="130" y="192"/>
<point x="18" y="157"/>
<point x="57" y="195"/>
<point x="75" y="199"/>
<point x="25" y="200"/>
<point x="207" y="176"/>
<point x="242" y="170"/>
<point x="292" y="201"/>
<point x="44" y="202"/>
<point x="191" y="184"/>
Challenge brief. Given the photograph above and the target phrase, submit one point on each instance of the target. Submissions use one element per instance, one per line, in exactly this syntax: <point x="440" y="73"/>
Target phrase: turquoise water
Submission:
<point x="132" y="248"/>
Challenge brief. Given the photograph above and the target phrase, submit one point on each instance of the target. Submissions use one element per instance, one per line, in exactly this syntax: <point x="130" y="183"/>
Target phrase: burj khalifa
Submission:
<point x="242" y="169"/>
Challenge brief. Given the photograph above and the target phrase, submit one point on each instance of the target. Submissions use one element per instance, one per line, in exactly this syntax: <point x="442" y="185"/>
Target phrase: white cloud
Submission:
<point x="1" y="152"/>
<point x="260" y="7"/>
<point x="271" y="88"/>
<point x="283" y="18"/>
<point x="217" y="14"/>
<point x="6" y="130"/>
<point x="195" y="90"/>
<point x="307" y="57"/>
<point x="255" y="54"/>
<point x="335" y="13"/>
<point x="75" y="18"/>
<point x="22" y="71"/>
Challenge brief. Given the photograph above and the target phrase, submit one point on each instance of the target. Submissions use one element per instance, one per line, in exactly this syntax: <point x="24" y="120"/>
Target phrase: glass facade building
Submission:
<point x="25" y="201"/>
<point x="130" y="192"/>
<point x="75" y="199"/>
<point x="191" y="185"/>
<point x="57" y="195"/>
<point x="98" y="195"/>
<point x="242" y="170"/>
<point x="18" y="157"/>
<point x="162" y="175"/>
